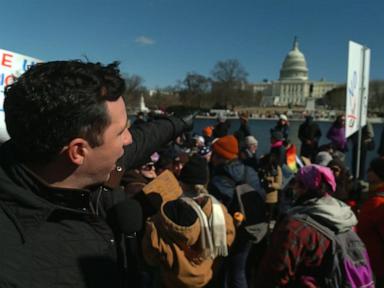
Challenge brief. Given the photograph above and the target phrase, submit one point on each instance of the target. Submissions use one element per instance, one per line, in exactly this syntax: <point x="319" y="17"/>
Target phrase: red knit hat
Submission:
<point x="226" y="147"/>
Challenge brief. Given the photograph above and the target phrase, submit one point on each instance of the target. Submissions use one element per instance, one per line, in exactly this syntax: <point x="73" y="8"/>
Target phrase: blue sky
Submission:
<point x="163" y="40"/>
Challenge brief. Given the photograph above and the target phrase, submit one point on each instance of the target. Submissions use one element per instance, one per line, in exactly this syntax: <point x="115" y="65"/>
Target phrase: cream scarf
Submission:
<point x="213" y="236"/>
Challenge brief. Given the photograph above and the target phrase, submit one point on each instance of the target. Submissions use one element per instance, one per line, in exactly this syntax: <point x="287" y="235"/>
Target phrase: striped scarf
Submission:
<point x="213" y="236"/>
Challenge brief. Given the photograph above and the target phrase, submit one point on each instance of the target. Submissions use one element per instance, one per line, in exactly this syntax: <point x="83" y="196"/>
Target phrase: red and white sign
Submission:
<point x="12" y="65"/>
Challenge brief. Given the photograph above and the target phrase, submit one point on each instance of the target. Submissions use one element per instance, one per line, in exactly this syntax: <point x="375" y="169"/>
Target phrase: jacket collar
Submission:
<point x="78" y="199"/>
<point x="22" y="188"/>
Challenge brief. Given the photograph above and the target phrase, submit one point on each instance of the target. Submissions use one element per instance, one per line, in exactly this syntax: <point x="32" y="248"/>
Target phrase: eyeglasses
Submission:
<point x="148" y="166"/>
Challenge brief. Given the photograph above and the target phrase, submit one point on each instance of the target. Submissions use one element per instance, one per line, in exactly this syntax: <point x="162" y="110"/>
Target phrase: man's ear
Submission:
<point x="77" y="150"/>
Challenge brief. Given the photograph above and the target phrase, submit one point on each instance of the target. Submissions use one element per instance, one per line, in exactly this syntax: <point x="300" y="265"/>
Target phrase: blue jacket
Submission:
<point x="226" y="177"/>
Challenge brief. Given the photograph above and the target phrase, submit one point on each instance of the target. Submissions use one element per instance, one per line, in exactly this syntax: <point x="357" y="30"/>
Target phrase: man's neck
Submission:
<point x="56" y="175"/>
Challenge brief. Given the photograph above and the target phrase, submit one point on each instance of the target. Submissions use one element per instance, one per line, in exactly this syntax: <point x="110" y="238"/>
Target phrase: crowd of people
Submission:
<point x="75" y="210"/>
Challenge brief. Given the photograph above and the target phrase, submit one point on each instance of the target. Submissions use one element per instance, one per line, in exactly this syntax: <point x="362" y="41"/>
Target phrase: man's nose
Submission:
<point x="127" y="137"/>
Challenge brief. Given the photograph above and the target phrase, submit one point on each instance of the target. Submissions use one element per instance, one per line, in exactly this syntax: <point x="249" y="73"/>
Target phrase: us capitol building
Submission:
<point x="293" y="86"/>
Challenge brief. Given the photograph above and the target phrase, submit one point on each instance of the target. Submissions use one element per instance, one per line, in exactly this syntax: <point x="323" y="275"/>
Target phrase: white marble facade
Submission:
<point x="293" y="86"/>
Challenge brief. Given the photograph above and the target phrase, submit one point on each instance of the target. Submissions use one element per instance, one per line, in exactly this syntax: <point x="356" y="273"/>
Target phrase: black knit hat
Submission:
<point x="377" y="166"/>
<point x="195" y="171"/>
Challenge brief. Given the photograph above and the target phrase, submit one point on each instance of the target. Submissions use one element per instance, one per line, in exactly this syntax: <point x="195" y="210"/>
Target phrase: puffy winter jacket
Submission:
<point x="51" y="237"/>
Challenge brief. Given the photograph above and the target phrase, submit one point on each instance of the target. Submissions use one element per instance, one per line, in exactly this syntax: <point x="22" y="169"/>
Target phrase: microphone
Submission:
<point x="128" y="216"/>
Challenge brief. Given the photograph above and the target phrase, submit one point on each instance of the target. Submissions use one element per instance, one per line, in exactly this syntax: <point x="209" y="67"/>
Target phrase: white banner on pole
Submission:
<point x="12" y="65"/>
<point x="357" y="87"/>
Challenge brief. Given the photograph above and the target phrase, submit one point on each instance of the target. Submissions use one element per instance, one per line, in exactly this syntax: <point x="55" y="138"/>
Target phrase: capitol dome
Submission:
<point x="294" y="66"/>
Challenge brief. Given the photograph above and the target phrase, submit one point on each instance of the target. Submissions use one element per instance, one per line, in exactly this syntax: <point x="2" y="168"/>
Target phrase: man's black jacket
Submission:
<point x="52" y="237"/>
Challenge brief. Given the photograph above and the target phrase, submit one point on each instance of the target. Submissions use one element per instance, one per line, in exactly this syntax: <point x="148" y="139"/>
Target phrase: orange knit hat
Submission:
<point x="226" y="147"/>
<point x="207" y="131"/>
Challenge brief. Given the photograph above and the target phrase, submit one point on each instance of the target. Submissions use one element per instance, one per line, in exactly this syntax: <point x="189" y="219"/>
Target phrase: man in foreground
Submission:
<point x="68" y="127"/>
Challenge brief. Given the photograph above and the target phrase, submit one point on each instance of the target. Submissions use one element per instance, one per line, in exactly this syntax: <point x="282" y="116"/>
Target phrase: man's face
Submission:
<point x="101" y="160"/>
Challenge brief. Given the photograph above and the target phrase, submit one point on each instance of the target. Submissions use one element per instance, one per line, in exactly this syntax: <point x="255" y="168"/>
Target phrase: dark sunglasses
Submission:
<point x="148" y="166"/>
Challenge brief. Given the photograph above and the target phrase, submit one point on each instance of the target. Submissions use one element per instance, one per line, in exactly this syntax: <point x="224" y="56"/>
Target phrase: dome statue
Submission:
<point x="294" y="66"/>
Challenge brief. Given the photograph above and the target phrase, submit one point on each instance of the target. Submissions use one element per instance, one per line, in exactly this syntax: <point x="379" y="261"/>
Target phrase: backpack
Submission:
<point x="251" y="205"/>
<point x="349" y="264"/>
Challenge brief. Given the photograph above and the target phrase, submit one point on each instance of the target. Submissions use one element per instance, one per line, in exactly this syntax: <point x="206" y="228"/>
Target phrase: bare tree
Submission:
<point x="229" y="78"/>
<point x="376" y="95"/>
<point x="230" y="72"/>
<point x="195" y="87"/>
<point x="134" y="89"/>
<point x="163" y="98"/>
<point x="336" y="98"/>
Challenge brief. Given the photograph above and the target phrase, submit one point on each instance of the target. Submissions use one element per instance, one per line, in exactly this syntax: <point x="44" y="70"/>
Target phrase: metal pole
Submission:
<point x="362" y="89"/>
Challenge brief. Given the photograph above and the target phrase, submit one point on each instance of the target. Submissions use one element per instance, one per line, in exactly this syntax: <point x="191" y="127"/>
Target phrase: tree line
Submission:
<point x="336" y="98"/>
<point x="227" y="87"/>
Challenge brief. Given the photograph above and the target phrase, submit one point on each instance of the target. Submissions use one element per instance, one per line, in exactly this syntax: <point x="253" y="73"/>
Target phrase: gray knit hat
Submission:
<point x="323" y="158"/>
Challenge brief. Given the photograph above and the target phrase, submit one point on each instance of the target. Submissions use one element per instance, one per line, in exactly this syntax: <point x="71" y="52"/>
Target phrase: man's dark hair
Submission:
<point x="55" y="102"/>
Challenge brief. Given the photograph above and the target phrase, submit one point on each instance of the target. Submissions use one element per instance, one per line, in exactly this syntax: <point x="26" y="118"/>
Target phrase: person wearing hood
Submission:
<point x="371" y="216"/>
<point x="227" y="172"/>
<point x="309" y="135"/>
<point x="185" y="237"/>
<point x="296" y="256"/>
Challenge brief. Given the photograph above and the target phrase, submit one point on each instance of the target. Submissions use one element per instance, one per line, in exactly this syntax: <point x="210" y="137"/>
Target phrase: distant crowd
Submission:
<point x="266" y="196"/>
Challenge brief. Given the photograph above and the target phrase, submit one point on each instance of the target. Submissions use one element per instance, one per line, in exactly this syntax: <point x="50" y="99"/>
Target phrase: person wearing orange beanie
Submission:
<point x="227" y="172"/>
<point x="226" y="147"/>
